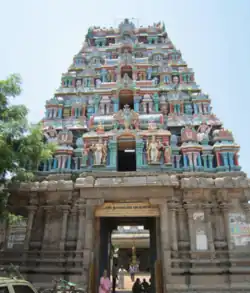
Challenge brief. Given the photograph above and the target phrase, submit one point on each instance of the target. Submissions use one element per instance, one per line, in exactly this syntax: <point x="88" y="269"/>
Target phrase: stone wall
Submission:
<point x="197" y="214"/>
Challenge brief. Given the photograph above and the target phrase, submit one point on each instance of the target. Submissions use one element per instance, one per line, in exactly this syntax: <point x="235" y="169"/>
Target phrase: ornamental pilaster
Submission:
<point x="225" y="206"/>
<point x="207" y="211"/>
<point x="81" y="223"/>
<point x="164" y="237"/>
<point x="190" y="208"/>
<point x="65" y="213"/>
<point x="173" y="207"/>
<point x="181" y="220"/>
<point x="219" y="226"/>
<point x="91" y="205"/>
<point x="31" y="213"/>
<point x="47" y="214"/>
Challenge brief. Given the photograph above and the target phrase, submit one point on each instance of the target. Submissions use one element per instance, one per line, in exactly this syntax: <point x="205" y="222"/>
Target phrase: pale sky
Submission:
<point x="40" y="38"/>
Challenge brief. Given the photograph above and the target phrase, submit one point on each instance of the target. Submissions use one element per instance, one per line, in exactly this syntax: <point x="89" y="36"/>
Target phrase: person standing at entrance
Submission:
<point x="132" y="272"/>
<point x="145" y="286"/>
<point x="105" y="284"/>
<point x="114" y="276"/>
<point x="121" y="273"/>
<point x="137" y="286"/>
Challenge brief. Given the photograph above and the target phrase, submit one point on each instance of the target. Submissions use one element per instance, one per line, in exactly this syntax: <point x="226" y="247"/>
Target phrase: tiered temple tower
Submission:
<point x="129" y="102"/>
<point x="129" y="113"/>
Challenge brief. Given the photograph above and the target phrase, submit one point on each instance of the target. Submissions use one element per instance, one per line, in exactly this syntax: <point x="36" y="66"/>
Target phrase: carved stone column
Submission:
<point x="181" y="219"/>
<point x="165" y="244"/>
<point x="47" y="211"/>
<point x="88" y="257"/>
<point x="225" y="206"/>
<point x="192" y="237"/>
<point x="165" y="241"/>
<point x="81" y="232"/>
<point x="219" y="229"/>
<point x="65" y="210"/>
<point x="32" y="210"/>
<point x="173" y="206"/>
<point x="207" y="211"/>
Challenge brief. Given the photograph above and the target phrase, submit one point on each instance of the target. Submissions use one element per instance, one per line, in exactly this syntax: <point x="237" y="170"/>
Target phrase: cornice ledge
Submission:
<point x="214" y="183"/>
<point x="134" y="181"/>
<point x="60" y="185"/>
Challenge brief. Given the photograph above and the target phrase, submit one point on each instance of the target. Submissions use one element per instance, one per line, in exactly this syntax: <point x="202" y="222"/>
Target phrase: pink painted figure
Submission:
<point x="105" y="284"/>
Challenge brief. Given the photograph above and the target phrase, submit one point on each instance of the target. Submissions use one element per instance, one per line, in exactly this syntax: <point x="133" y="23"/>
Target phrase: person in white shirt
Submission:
<point x="121" y="273"/>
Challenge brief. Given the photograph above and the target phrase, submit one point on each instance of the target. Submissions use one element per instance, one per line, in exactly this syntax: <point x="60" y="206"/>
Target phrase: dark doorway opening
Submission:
<point x="122" y="249"/>
<point x="126" y="98"/>
<point x="126" y="161"/>
<point x="126" y="154"/>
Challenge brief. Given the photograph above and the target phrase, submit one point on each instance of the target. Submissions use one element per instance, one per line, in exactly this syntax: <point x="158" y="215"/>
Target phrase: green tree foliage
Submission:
<point x="22" y="146"/>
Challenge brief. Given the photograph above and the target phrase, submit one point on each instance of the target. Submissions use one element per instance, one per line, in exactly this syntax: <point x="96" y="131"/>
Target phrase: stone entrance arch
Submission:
<point x="110" y="215"/>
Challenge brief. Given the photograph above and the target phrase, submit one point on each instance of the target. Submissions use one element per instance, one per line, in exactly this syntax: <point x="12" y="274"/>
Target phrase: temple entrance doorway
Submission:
<point x="126" y="153"/>
<point x="126" y="97"/>
<point x="127" y="241"/>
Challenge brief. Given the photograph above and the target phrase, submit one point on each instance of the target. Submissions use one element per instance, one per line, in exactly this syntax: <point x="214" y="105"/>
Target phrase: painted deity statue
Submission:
<point x="96" y="100"/>
<point x="149" y="73"/>
<point x="51" y="135"/>
<point x="175" y="82"/>
<point x="85" y="155"/>
<point x="100" y="152"/>
<point x="100" y="128"/>
<point x="78" y="83"/>
<point x="98" y="83"/>
<point x="128" y="116"/>
<point x="65" y="137"/>
<point x="153" y="151"/>
<point x="112" y="75"/>
<point x="167" y="154"/>
<point x="155" y="80"/>
<point x="103" y="74"/>
<point x="203" y="131"/>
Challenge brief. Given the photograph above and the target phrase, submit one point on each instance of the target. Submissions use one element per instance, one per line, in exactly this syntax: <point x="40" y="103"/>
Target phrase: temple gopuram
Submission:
<point x="137" y="144"/>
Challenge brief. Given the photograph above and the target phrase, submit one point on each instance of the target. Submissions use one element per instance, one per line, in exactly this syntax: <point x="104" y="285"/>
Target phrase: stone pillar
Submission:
<point x="207" y="211"/>
<point x="47" y="211"/>
<point x="65" y="210"/>
<point x="88" y="243"/>
<point x="181" y="221"/>
<point x="219" y="229"/>
<point x="164" y="231"/>
<point x="32" y="210"/>
<point x="190" y="210"/>
<point x="164" y="238"/>
<point x="88" y="256"/>
<point x="81" y="232"/>
<point x="173" y="206"/>
<point x="225" y="206"/>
